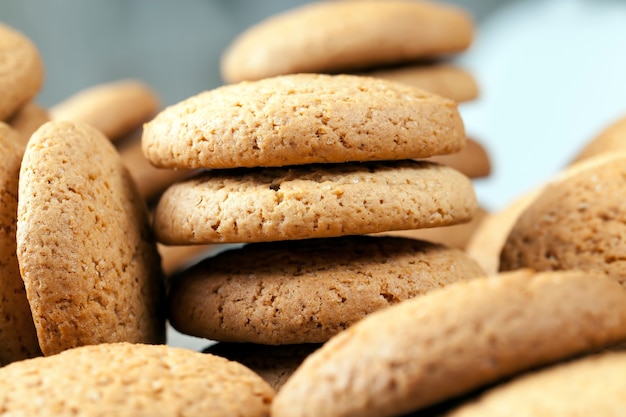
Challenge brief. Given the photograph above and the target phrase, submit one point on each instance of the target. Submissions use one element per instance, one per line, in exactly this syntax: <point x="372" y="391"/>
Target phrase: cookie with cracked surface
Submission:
<point x="578" y="221"/>
<point x="116" y="108"/>
<point x="444" y="80"/>
<point x="18" y="339"/>
<point x="342" y="36"/>
<point x="28" y="119"/>
<point x="611" y="139"/>
<point x="454" y="340"/>
<point x="21" y="71"/>
<point x="274" y="364"/>
<point x="312" y="201"/>
<point x="589" y="386"/>
<point x="303" y="119"/>
<point x="306" y="291"/>
<point x="132" y="379"/>
<point x="87" y="254"/>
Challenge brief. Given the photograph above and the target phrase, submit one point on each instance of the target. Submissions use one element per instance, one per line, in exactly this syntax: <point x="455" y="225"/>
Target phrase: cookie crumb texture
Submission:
<point x="312" y="202"/>
<point x="86" y="252"/>
<point x="454" y="340"/>
<point x="578" y="222"/>
<point x="307" y="291"/>
<point x="125" y="379"/>
<point x="303" y="119"/>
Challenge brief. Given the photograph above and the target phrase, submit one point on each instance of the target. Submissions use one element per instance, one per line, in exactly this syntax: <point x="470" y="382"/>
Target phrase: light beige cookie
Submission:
<point x="303" y="119"/>
<point x="590" y="386"/>
<point x="444" y="80"/>
<point x="274" y="364"/>
<point x="576" y="222"/>
<point x="233" y="206"/>
<point x="338" y="36"/>
<point x="86" y="252"/>
<point x="21" y="71"/>
<point x="451" y="341"/>
<point x="28" y="119"/>
<point x="123" y="379"/>
<point x="611" y="139"/>
<point x="18" y="339"/>
<point x="309" y="290"/>
<point x="455" y="236"/>
<point x="150" y="181"/>
<point x="115" y="108"/>
<point x="473" y="160"/>
<point x="176" y="258"/>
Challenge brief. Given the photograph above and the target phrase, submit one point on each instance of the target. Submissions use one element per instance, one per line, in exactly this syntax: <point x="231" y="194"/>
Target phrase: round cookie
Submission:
<point x="275" y="364"/>
<point x="176" y="258"/>
<point x="150" y="181"/>
<point x="451" y="341"/>
<point x="86" y="252"/>
<point x="455" y="236"/>
<point x="21" y="71"/>
<point x="124" y="379"/>
<point x="473" y="160"/>
<point x="303" y="119"/>
<point x="116" y="108"/>
<point x="18" y="339"/>
<point x="576" y="222"/>
<point x="611" y="139"/>
<point x="591" y="386"/>
<point x="312" y="201"/>
<point x="307" y="291"/>
<point x="442" y="79"/>
<point x="28" y="119"/>
<point x="340" y="36"/>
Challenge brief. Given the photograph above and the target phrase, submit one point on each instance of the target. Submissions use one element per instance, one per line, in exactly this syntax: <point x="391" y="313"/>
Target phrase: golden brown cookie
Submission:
<point x="611" y="139"/>
<point x="18" y="339"/>
<point x="116" y="108"/>
<point x="151" y="181"/>
<point x="274" y="364"/>
<point x="590" y="386"/>
<point x="444" y="80"/>
<point x="340" y="36"/>
<point x="86" y="252"/>
<point x="455" y="236"/>
<point x="28" y="119"/>
<point x="309" y="290"/>
<point x="124" y="379"/>
<point x="257" y="205"/>
<point x="303" y="119"/>
<point x="576" y="222"/>
<point x="473" y="160"/>
<point x="451" y="341"/>
<point x="21" y="71"/>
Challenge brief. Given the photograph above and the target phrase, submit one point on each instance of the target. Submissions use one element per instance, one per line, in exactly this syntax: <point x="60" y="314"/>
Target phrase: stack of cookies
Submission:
<point x="301" y="167"/>
<point x="407" y="41"/>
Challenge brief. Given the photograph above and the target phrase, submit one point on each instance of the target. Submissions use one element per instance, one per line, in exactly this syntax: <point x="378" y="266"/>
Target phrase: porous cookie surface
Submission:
<point x="86" y="252"/>
<point x="115" y="108"/>
<point x="454" y="340"/>
<point x="312" y="201"/>
<point x="337" y="36"/>
<point x="611" y="139"/>
<point x="444" y="80"/>
<point x="18" y="339"/>
<point x="309" y="290"/>
<point x="591" y="386"/>
<point x="577" y="222"/>
<point x="275" y="364"/>
<point x="21" y="71"/>
<point x="303" y="119"/>
<point x="126" y="379"/>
